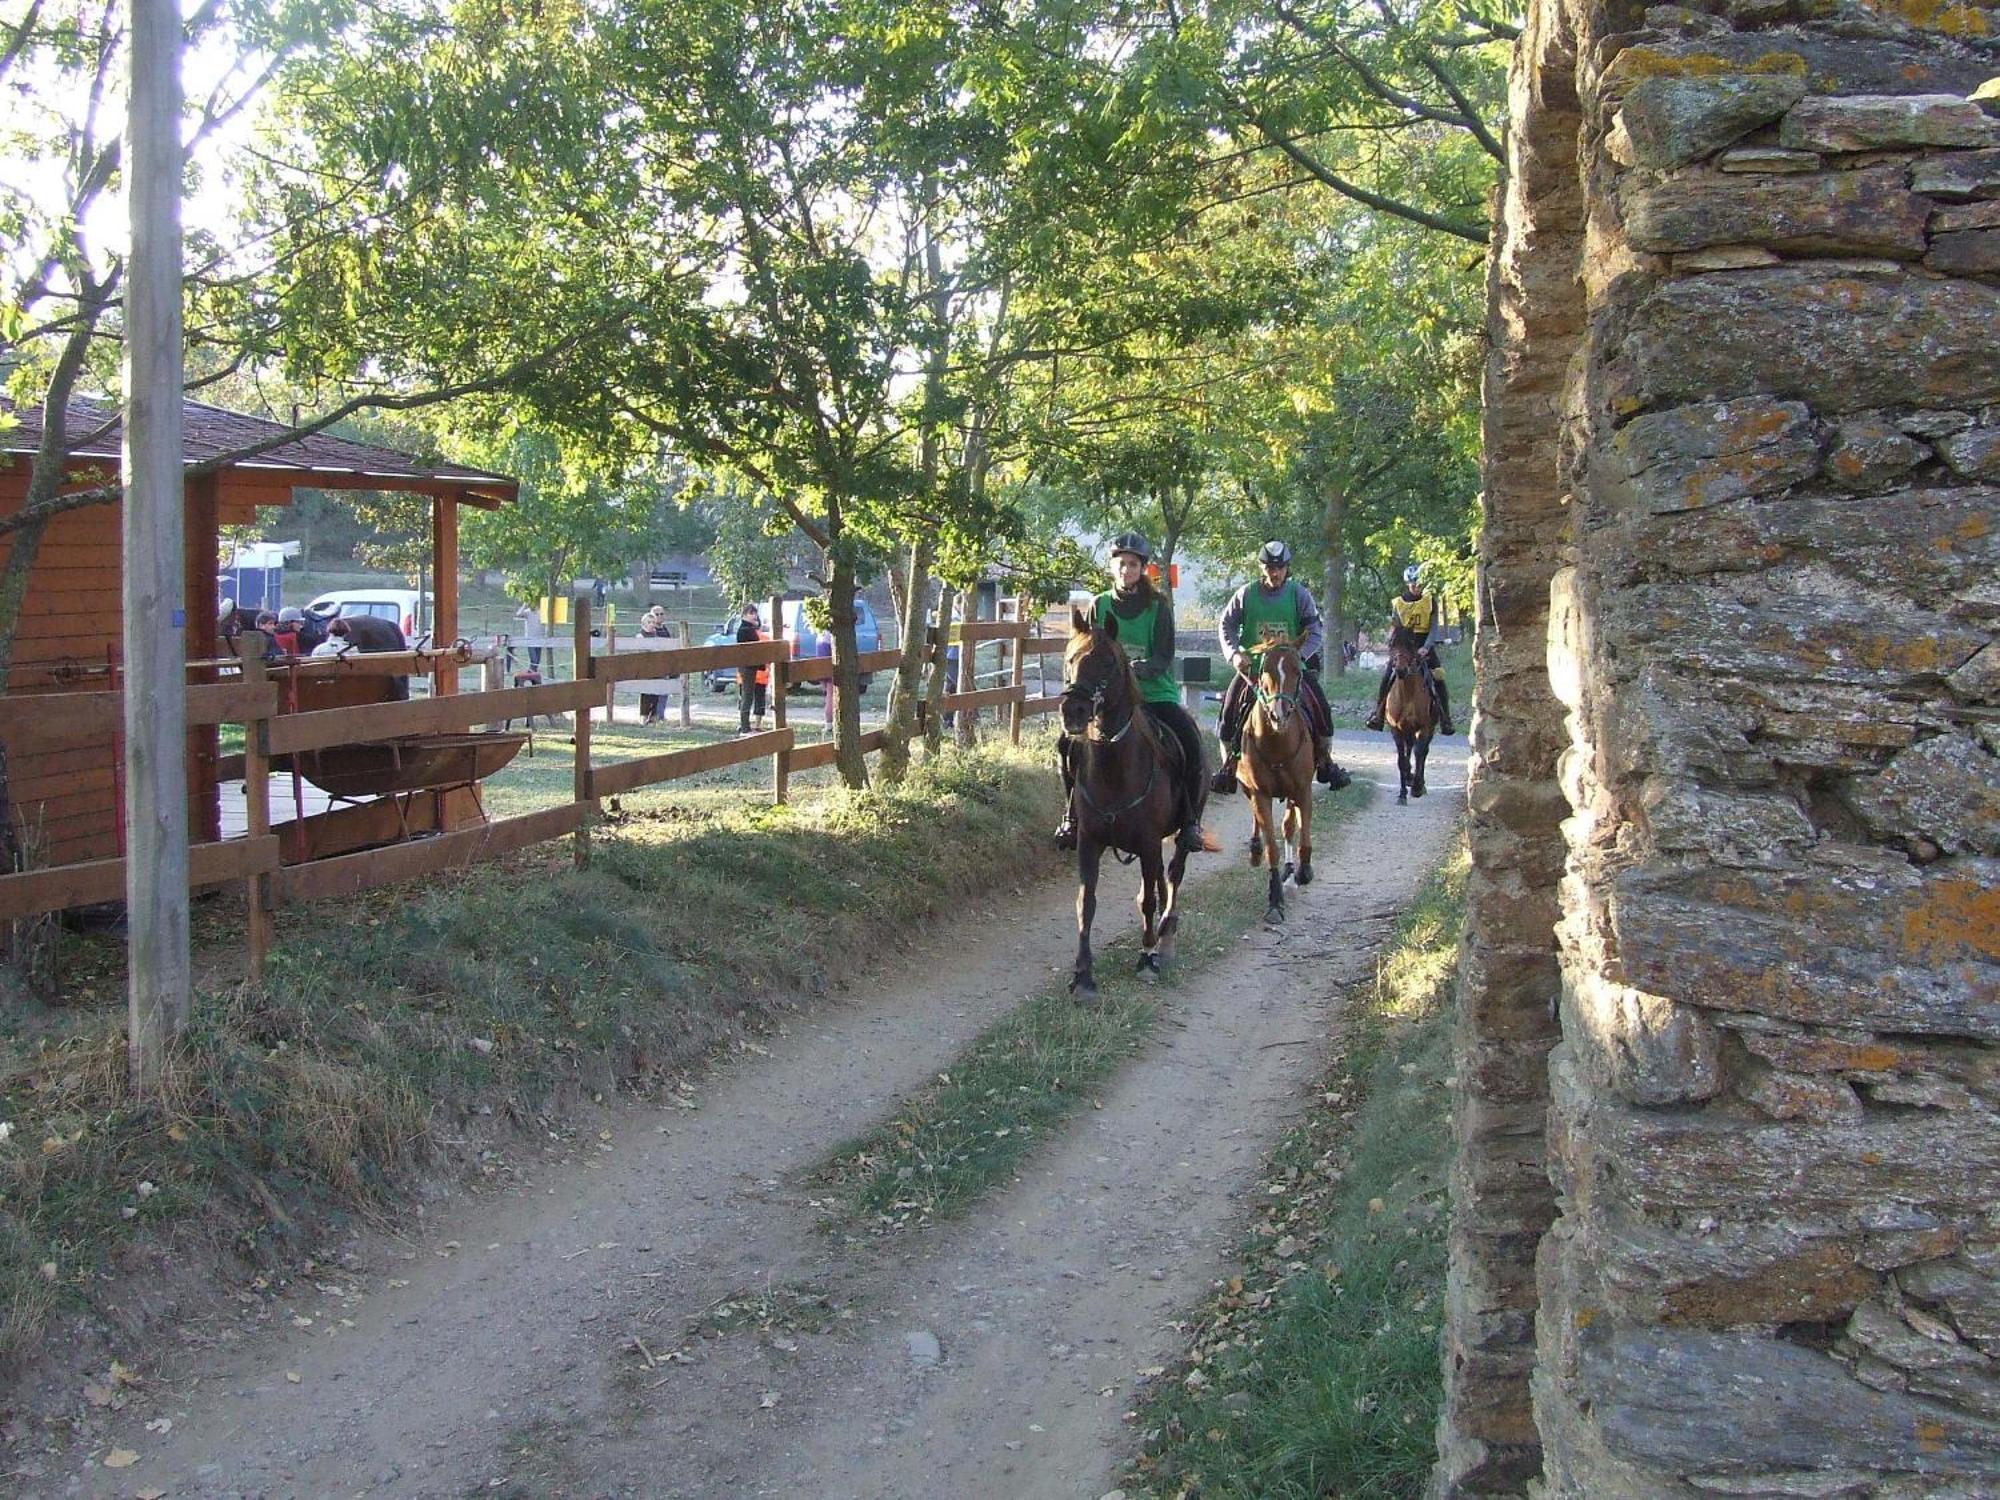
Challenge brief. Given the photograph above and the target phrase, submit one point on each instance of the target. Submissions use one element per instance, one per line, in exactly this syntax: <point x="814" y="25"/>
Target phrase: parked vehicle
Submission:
<point x="805" y="641"/>
<point x="397" y="605"/>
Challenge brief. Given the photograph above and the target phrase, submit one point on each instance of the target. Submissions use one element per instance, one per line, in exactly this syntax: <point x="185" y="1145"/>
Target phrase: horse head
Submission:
<point x="1098" y="687"/>
<point x="1402" y="657"/>
<point x="1279" y="676"/>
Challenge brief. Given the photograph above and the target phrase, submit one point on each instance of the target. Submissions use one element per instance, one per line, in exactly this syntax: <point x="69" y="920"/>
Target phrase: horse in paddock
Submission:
<point x="1277" y="767"/>
<point x="1410" y="715"/>
<point x="1128" y="795"/>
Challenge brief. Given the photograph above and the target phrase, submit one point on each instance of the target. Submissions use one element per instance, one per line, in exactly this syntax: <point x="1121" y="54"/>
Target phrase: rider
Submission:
<point x="1275" y="601"/>
<point x="1417" y="622"/>
<point x="1141" y="619"/>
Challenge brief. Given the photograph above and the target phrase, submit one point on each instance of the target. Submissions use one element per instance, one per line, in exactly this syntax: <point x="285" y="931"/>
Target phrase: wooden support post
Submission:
<point x="781" y="763"/>
<point x="444" y="583"/>
<point x="580" y="717"/>
<point x="689" y="680"/>
<point x="968" y="676"/>
<point x="256" y="799"/>
<point x="158" y="987"/>
<point x="1020" y="648"/>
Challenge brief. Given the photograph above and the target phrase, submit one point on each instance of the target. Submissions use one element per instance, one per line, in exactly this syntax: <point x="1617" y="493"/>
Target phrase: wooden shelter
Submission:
<point x="70" y="629"/>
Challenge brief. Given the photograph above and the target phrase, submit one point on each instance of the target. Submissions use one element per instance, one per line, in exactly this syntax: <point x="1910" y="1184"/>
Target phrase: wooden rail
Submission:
<point x="387" y="721"/>
<point x="626" y="775"/>
<point x="347" y="874"/>
<point x="35" y="891"/>
<point x="33" y="723"/>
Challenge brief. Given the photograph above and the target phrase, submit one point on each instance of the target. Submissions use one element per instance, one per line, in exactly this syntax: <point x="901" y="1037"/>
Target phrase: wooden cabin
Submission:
<point x="69" y="804"/>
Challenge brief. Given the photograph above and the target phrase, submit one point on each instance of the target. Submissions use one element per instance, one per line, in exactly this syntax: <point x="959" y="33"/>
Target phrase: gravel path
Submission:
<point x="491" y="1350"/>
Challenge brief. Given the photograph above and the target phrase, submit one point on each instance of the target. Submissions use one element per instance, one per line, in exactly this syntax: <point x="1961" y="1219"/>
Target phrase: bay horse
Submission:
<point x="1277" y="766"/>
<point x="1410" y="715"/>
<point x="1128" y="795"/>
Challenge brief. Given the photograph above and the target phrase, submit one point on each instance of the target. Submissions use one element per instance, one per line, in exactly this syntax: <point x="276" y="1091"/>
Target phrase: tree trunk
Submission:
<point x="908" y="685"/>
<point x="847" y="754"/>
<point x="940" y="674"/>
<point x="1333" y="604"/>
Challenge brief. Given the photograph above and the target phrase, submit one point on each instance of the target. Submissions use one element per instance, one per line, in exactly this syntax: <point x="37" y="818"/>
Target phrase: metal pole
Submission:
<point x="156" y="787"/>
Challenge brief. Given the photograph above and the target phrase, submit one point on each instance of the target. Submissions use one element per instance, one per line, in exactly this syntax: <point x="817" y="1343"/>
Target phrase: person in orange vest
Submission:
<point x="751" y="687"/>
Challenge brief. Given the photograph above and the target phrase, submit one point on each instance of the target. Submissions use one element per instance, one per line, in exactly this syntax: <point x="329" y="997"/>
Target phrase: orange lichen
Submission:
<point x="1635" y="63"/>
<point x="1947" y="17"/>
<point x="1954" y="917"/>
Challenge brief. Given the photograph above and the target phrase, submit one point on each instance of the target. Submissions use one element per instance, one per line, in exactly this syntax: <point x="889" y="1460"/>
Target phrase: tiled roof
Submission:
<point x="95" y="431"/>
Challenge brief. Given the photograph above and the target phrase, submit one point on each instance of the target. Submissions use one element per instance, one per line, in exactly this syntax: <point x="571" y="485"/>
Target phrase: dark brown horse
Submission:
<point x="1127" y="794"/>
<point x="1277" y="766"/>
<point x="1410" y="715"/>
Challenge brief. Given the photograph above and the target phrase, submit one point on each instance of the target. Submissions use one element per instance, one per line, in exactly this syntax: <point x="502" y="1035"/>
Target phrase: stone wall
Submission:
<point x="1774" y="1118"/>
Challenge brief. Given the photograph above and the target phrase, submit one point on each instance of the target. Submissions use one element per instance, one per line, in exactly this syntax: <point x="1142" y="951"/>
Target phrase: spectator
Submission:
<point x="653" y="626"/>
<point x="371" y="634"/>
<point x="751" y="686"/>
<point x="530" y="629"/>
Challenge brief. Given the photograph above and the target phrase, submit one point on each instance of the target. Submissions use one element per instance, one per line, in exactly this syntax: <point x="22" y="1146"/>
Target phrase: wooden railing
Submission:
<point x="41" y="723"/>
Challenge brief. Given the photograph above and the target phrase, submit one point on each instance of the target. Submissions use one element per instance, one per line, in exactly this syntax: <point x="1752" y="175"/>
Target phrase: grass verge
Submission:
<point x="972" y="1128"/>
<point x="392" y="1028"/>
<point x="1315" y="1373"/>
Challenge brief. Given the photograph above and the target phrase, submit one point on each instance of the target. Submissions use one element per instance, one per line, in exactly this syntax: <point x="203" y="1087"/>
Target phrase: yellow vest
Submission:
<point x="1414" y="615"/>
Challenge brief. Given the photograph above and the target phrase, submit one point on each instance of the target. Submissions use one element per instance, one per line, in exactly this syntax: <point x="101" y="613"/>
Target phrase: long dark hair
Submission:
<point x="1142" y="590"/>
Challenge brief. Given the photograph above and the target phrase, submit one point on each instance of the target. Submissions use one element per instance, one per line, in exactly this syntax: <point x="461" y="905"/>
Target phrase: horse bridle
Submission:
<point x="1096" y="700"/>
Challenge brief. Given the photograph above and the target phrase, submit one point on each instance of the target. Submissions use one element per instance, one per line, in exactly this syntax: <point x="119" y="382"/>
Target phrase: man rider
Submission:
<point x="1416" y="621"/>
<point x="1141" y="620"/>
<point x="1275" y="601"/>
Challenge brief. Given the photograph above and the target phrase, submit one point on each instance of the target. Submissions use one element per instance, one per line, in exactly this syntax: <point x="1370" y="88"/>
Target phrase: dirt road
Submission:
<point x="524" y="1344"/>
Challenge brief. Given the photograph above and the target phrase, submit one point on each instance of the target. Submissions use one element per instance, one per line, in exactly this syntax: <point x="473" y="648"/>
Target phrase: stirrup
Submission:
<point x="1334" y="775"/>
<point x="1224" y="779"/>
<point x="1374" y="720"/>
<point x="1445" y="726"/>
<point x="1066" y="834"/>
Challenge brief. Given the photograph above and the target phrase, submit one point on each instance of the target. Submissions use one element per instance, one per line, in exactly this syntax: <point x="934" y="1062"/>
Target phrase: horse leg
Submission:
<point x="1152" y="880"/>
<point x="1423" y="754"/>
<point x="1303" y="811"/>
<point x="1402" y="769"/>
<point x="1089" y="856"/>
<point x="1291" y="831"/>
<point x="1274" y="898"/>
<point x="1170" y="916"/>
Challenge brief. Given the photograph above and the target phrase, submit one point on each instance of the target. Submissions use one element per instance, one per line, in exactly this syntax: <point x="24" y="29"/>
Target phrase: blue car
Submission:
<point x="804" y="639"/>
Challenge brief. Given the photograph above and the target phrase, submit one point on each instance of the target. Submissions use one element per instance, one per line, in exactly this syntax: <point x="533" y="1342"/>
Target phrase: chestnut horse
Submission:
<point x="1277" y="766"/>
<point x="1410" y="715"/>
<point x="1127" y="794"/>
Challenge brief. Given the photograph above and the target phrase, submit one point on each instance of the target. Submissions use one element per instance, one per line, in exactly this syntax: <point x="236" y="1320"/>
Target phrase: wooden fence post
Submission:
<point x="1016" y="714"/>
<point x="580" y="717"/>
<point x="968" y="681"/>
<point x="256" y="799"/>
<point x="688" y="679"/>
<point x="781" y="763"/>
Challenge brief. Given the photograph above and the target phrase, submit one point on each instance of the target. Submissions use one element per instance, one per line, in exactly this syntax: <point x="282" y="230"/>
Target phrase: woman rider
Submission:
<point x="1141" y="620"/>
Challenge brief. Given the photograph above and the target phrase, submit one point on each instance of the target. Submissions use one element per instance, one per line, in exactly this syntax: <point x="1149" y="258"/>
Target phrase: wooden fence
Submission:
<point x="56" y="721"/>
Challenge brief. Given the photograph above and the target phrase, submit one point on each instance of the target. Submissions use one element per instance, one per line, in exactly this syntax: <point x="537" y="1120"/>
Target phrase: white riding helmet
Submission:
<point x="1412" y="573"/>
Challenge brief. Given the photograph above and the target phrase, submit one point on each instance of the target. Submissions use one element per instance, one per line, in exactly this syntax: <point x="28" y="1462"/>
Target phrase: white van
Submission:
<point x="397" y="605"/>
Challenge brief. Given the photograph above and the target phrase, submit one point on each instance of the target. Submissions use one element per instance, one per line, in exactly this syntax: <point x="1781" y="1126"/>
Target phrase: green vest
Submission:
<point x="1136" y="636"/>
<point x="1280" y="613"/>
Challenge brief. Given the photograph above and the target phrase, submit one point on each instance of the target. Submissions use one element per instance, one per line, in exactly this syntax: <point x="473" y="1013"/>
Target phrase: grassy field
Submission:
<point x="1315" y="1373"/>
<point x="459" y="1009"/>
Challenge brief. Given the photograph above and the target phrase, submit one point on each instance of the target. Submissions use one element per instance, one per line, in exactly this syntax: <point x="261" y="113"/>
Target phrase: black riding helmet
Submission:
<point x="1134" y="543"/>
<point x="1275" y="555"/>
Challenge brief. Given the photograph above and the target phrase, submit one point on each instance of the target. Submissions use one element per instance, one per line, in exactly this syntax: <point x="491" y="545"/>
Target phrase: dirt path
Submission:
<point x="492" y="1352"/>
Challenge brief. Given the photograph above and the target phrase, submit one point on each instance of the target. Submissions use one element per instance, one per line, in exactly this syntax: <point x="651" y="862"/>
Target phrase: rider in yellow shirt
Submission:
<point x="1416" y="622"/>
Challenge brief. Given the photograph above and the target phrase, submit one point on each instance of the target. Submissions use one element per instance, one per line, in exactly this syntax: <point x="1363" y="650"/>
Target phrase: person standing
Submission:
<point x="370" y="633"/>
<point x="1275" y="601"/>
<point x="751" y="685"/>
<point x="1141" y="619"/>
<point x="653" y="626"/>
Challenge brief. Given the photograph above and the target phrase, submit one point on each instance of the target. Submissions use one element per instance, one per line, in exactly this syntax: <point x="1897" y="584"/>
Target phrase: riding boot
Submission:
<point x="1224" y="779"/>
<point x="1443" y="704"/>
<point x="1324" y="770"/>
<point x="1381" y="697"/>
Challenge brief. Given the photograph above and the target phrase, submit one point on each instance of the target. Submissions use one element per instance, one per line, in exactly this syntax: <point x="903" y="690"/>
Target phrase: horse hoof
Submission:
<point x="1402" y="799"/>
<point x="1148" y="967"/>
<point x="1084" y="988"/>
<point x="1305" y="874"/>
<point x="1274" y="916"/>
<point x="1290" y="870"/>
